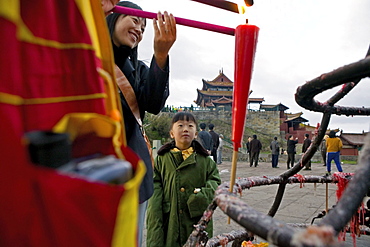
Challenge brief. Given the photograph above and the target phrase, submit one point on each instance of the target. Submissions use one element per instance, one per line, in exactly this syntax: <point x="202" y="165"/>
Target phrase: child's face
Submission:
<point x="128" y="31"/>
<point x="184" y="133"/>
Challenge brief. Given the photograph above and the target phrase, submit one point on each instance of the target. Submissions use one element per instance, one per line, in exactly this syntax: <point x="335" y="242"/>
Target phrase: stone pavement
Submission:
<point x="299" y="205"/>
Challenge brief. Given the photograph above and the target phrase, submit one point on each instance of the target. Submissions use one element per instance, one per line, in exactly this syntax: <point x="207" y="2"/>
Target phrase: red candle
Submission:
<point x="245" y="48"/>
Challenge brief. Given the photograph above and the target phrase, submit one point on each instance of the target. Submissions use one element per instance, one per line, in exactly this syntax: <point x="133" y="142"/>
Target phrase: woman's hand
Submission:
<point x="164" y="36"/>
<point x="108" y="5"/>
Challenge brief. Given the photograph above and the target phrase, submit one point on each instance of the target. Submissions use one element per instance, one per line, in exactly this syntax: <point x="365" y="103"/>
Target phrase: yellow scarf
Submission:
<point x="185" y="153"/>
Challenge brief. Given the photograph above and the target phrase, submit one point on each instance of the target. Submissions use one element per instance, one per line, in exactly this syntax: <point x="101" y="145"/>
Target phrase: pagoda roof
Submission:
<point x="255" y="100"/>
<point x="221" y="78"/>
<point x="295" y="117"/>
<point x="220" y="81"/>
<point x="225" y="94"/>
<point x="223" y="100"/>
<point x="207" y="84"/>
<point x="215" y="93"/>
<point x="278" y="107"/>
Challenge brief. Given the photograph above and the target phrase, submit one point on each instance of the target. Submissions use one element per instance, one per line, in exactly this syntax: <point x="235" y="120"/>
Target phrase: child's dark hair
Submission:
<point x="183" y="115"/>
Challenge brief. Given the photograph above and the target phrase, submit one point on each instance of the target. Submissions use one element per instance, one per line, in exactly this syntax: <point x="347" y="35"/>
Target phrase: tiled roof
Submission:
<point x="280" y="106"/>
<point x="353" y="139"/>
<point x="295" y="117"/>
<point x="215" y="93"/>
<point x="219" y="84"/>
<point x="221" y="77"/>
<point x="222" y="100"/>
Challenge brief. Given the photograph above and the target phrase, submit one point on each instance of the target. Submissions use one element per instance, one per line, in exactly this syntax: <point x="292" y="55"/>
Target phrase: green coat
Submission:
<point x="174" y="207"/>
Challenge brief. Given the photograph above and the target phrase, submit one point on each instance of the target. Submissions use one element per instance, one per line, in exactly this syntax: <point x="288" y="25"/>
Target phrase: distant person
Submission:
<point x="291" y="150"/>
<point x="216" y="141"/>
<point x="185" y="180"/>
<point x="255" y="147"/>
<point x="247" y="145"/>
<point x="305" y="146"/>
<point x="333" y="147"/>
<point x="275" y="150"/>
<point x="205" y="138"/>
<point x="322" y="149"/>
<point x="219" y="150"/>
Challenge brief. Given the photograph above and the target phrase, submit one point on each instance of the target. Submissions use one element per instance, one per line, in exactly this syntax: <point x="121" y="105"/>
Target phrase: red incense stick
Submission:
<point x="180" y="21"/>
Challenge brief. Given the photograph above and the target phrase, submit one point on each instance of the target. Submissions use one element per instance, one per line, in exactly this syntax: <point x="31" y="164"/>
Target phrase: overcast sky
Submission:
<point x="298" y="41"/>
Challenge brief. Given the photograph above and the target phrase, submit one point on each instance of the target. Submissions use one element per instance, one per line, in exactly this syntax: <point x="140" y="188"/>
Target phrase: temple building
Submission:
<point x="218" y="94"/>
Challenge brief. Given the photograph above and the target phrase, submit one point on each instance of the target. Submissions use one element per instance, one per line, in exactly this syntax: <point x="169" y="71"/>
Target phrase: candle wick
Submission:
<point x="246" y="21"/>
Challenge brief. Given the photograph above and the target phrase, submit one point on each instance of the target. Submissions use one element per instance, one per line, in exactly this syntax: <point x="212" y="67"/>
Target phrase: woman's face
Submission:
<point x="128" y="31"/>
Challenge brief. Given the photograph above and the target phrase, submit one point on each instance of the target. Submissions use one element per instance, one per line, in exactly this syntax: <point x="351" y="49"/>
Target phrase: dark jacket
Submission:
<point x="291" y="146"/>
<point x="248" y="145"/>
<point x="306" y="145"/>
<point x="174" y="207"/>
<point x="205" y="139"/>
<point x="151" y="88"/>
<point x="215" y="138"/>
<point x="255" y="146"/>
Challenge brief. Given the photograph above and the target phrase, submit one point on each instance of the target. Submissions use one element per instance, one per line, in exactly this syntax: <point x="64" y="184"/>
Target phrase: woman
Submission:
<point x="150" y="85"/>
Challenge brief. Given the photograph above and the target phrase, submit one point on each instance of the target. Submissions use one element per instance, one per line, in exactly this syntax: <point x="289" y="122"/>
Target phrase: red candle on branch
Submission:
<point x="245" y="48"/>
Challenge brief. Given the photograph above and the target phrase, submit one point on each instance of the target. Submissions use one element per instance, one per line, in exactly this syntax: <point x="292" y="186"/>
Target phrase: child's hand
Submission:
<point x="164" y="36"/>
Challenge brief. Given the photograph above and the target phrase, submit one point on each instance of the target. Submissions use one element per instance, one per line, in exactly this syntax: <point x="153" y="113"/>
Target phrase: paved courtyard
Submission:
<point x="299" y="205"/>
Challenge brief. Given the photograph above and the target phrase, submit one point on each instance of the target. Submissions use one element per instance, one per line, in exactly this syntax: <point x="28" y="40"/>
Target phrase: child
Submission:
<point x="185" y="179"/>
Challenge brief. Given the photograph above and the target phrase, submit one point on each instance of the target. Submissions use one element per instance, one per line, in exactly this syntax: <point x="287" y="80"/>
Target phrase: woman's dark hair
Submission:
<point x="111" y="21"/>
<point x="112" y="18"/>
<point x="183" y="115"/>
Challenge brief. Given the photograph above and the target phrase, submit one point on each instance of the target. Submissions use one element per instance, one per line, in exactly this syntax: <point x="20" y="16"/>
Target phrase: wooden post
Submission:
<point x="327" y="198"/>
<point x="233" y="174"/>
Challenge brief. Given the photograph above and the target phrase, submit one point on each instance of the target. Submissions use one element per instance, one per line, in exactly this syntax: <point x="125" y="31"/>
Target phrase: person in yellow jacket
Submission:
<point x="333" y="147"/>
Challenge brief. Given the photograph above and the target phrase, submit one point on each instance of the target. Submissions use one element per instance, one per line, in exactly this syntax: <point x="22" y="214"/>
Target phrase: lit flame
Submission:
<point x="242" y="7"/>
